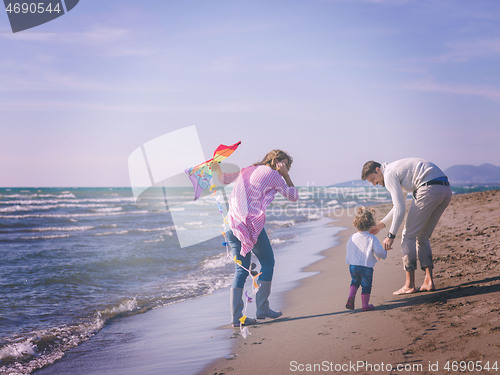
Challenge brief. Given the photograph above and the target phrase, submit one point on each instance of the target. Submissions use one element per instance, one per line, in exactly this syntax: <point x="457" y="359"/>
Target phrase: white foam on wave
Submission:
<point x="107" y="209"/>
<point x="18" y="350"/>
<point x="351" y="203"/>
<point x="63" y="229"/>
<point x="176" y="209"/>
<point x="196" y="223"/>
<point x="218" y="261"/>
<point x="282" y="223"/>
<point x="277" y="241"/>
<point x="314" y="216"/>
<point x="21" y="208"/>
<point x="69" y="216"/>
<point x="155" y="240"/>
<point x="166" y="229"/>
<point x="118" y="232"/>
<point x="48" y="237"/>
<point x="23" y="355"/>
<point x="124" y="307"/>
<point x="66" y="194"/>
<point x="55" y="199"/>
<point x="333" y="202"/>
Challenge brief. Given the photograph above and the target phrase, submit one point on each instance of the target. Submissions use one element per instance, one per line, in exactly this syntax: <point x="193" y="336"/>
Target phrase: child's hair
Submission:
<point x="364" y="219"/>
<point x="273" y="156"/>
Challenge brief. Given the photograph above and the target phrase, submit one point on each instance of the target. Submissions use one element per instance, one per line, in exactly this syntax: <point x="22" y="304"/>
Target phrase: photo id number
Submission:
<point x="33" y="8"/>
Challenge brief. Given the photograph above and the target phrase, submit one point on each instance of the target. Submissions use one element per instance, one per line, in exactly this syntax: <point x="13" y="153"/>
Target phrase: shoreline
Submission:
<point x="421" y="333"/>
<point x="183" y="338"/>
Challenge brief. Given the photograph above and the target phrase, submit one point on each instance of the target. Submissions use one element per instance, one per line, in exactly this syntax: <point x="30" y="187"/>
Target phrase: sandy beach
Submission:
<point x="454" y="329"/>
<point x="423" y="333"/>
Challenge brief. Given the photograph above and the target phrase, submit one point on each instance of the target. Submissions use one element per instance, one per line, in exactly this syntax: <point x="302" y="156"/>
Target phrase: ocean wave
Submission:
<point x="107" y="209"/>
<point x="118" y="232"/>
<point x="277" y="241"/>
<point x="62" y="229"/>
<point x="281" y="223"/>
<point x="217" y="261"/>
<point x="195" y="223"/>
<point x="81" y="228"/>
<point x="315" y="216"/>
<point x="46" y="207"/>
<point x="332" y="203"/>
<point x="25" y="354"/>
<point x="176" y="209"/>
<point x="351" y="203"/>
<point x="56" y="203"/>
<point x="68" y="216"/>
<point x="164" y="231"/>
<point x="30" y="200"/>
<point x="65" y="195"/>
<point x="29" y="351"/>
<point x="20" y="208"/>
<point x="155" y="240"/>
<point x="47" y="237"/>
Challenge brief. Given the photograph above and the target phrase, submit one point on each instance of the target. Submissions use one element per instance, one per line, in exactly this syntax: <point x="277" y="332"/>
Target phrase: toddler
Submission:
<point x="362" y="248"/>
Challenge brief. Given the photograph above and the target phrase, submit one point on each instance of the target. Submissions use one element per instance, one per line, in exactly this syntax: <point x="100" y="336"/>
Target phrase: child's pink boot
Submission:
<point x="365" y="298"/>
<point x="352" y="295"/>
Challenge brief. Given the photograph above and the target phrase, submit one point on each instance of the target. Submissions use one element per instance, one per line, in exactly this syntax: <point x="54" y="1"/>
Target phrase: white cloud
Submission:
<point x="51" y="105"/>
<point x="487" y="92"/>
<point x="465" y="51"/>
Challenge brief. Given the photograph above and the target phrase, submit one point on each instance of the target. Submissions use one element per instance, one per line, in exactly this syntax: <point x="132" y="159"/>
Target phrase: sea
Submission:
<point x="73" y="260"/>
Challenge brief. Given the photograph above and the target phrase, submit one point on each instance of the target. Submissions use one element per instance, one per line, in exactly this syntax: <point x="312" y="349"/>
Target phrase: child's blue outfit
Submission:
<point x="362" y="250"/>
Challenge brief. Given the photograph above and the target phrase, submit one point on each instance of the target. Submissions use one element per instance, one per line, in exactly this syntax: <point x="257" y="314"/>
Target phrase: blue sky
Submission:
<point x="333" y="82"/>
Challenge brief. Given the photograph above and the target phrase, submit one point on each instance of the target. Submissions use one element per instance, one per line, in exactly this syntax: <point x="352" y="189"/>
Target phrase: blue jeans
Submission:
<point x="264" y="252"/>
<point x="361" y="275"/>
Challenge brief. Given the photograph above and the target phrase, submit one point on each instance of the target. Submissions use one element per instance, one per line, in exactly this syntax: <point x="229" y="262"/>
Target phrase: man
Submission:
<point x="431" y="195"/>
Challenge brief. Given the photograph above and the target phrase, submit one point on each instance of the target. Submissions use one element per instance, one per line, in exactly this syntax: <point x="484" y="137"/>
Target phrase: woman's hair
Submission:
<point x="272" y="157"/>
<point x="364" y="219"/>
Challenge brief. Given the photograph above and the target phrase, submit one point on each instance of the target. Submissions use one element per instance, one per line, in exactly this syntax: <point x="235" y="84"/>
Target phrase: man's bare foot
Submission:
<point x="427" y="287"/>
<point x="405" y="290"/>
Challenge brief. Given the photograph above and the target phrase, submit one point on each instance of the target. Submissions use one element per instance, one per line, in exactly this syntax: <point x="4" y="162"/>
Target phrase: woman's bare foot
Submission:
<point x="405" y="290"/>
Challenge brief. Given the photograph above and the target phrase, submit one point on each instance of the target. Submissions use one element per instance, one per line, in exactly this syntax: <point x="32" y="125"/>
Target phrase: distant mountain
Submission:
<point x="471" y="174"/>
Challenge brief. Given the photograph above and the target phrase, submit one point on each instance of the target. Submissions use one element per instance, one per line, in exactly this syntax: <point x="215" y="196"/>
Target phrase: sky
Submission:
<point x="335" y="83"/>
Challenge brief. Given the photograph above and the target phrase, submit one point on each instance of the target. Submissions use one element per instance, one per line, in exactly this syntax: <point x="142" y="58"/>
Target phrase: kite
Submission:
<point x="201" y="175"/>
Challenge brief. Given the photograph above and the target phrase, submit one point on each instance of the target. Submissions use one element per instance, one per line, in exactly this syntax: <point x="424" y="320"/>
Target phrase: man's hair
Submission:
<point x="364" y="219"/>
<point x="369" y="168"/>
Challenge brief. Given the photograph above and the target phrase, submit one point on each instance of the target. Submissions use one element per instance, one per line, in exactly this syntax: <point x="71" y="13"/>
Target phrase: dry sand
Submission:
<point x="423" y="332"/>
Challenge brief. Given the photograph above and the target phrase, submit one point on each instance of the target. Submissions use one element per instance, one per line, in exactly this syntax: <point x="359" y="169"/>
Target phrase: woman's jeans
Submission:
<point x="363" y="276"/>
<point x="264" y="252"/>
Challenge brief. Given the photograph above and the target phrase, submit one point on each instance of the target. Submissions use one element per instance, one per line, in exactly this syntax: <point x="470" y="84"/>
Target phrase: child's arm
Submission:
<point x="379" y="249"/>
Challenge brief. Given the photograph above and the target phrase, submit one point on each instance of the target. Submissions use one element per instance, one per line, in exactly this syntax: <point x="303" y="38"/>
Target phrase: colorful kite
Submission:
<point x="201" y="175"/>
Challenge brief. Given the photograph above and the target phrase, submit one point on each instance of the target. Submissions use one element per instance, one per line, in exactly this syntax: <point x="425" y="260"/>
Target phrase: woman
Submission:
<point x="254" y="190"/>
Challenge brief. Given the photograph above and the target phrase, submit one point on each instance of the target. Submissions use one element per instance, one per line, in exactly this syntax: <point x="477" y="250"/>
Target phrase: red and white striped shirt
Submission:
<point x="254" y="190"/>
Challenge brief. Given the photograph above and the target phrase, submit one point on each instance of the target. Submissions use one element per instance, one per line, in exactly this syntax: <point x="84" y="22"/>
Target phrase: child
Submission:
<point x="361" y="250"/>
